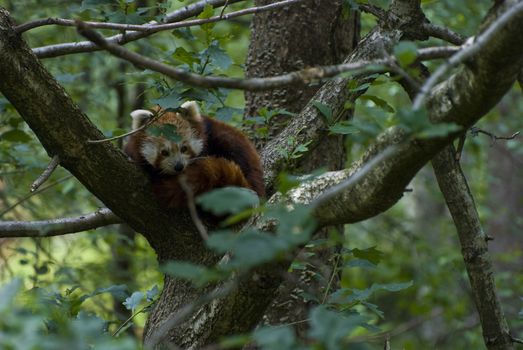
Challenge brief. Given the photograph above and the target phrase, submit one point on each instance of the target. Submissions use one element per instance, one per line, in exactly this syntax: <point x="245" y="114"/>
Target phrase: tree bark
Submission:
<point x="325" y="37"/>
<point x="474" y="247"/>
<point x="63" y="130"/>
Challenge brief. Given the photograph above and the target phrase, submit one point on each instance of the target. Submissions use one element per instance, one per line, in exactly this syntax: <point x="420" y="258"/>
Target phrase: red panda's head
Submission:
<point x="173" y="139"/>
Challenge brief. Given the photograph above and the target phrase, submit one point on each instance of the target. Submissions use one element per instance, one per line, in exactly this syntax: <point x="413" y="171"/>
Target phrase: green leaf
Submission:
<point x="119" y="291"/>
<point x="8" y="293"/>
<point x="392" y="287"/>
<point x="95" y="4"/>
<point x="250" y="248"/>
<point x="152" y="293"/>
<point x="405" y="52"/>
<point x="182" y="55"/>
<point x="133" y="301"/>
<point x="324" y="109"/>
<point x="370" y="254"/>
<point x="217" y="56"/>
<point x="228" y="200"/>
<point x="171" y="100"/>
<point x="360" y="263"/>
<point x="227" y="113"/>
<point x="281" y="337"/>
<point x="197" y="274"/>
<point x="384" y="105"/>
<point x="345" y="127"/>
<point x="184" y="33"/>
<point x="438" y="130"/>
<point x="355" y="86"/>
<point x="15" y="135"/>
<point x="207" y="12"/>
<point x="234" y="341"/>
<point x="287" y="182"/>
<point x="330" y="328"/>
<point x="168" y="131"/>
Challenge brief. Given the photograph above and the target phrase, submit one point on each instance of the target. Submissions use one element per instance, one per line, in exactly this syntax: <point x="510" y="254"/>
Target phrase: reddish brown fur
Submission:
<point x="230" y="159"/>
<point x="203" y="175"/>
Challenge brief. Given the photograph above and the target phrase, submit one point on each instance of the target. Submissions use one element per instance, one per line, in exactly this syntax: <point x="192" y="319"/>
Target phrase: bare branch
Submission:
<point x="373" y="10"/>
<point x="151" y="28"/>
<point x="46" y="174"/>
<point x="431" y="53"/>
<point x="23" y="199"/>
<point x="121" y="39"/>
<point x="300" y="77"/>
<point x="475" y="131"/>
<point x="453" y="185"/>
<point x="57" y="227"/>
<point x="468" y="50"/>
<point x="443" y="33"/>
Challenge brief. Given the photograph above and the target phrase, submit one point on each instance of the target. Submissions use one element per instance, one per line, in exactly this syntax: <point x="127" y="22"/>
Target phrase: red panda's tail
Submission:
<point x="202" y="175"/>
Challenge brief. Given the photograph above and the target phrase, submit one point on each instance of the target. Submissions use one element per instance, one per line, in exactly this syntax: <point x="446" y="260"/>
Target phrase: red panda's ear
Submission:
<point x="193" y="111"/>
<point x="140" y="117"/>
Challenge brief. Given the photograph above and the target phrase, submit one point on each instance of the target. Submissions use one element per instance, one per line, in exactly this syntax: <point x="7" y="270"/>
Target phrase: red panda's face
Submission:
<point x="170" y="157"/>
<point x="173" y="139"/>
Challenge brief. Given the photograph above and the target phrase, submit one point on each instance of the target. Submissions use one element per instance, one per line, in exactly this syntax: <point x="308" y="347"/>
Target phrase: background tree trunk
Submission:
<point x="313" y="33"/>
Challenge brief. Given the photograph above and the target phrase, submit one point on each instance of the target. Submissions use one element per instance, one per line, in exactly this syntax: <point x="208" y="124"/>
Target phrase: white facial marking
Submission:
<point x="149" y="151"/>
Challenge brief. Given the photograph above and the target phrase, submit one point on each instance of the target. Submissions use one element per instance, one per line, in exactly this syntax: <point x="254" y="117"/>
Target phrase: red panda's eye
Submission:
<point x="164" y="153"/>
<point x="183" y="149"/>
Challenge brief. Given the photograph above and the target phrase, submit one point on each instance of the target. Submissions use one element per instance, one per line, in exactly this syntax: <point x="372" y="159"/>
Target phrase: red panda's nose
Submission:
<point x="178" y="167"/>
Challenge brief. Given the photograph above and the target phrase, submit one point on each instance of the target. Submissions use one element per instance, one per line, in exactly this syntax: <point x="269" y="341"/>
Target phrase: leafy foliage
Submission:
<point x="398" y="269"/>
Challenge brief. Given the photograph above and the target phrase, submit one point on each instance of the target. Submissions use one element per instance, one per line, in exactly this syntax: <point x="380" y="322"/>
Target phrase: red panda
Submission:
<point x="209" y="152"/>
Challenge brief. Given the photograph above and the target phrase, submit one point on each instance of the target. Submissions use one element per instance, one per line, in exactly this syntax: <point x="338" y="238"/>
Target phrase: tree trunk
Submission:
<point x="314" y="33"/>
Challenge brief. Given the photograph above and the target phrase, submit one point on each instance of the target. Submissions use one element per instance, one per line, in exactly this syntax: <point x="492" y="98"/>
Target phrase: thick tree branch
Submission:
<point x="121" y="39"/>
<point x="64" y="130"/>
<point x="462" y="99"/>
<point x="380" y="187"/>
<point x="57" y="227"/>
<point x="453" y="185"/>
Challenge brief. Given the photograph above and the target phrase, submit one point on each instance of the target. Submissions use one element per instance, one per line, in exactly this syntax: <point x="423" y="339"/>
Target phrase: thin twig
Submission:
<point x="87" y="46"/>
<point x="443" y="33"/>
<point x="475" y="131"/>
<point x="373" y="10"/>
<point x="300" y="77"/>
<point x="40" y="190"/>
<point x="516" y="340"/>
<point x="151" y="28"/>
<point x="144" y="126"/>
<point x="224" y="7"/>
<point x="331" y="280"/>
<point x="46" y="174"/>
<point x="182" y="179"/>
<point x="131" y="318"/>
<point x="470" y="48"/>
